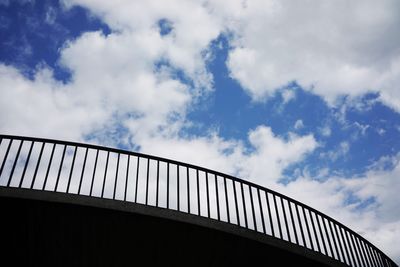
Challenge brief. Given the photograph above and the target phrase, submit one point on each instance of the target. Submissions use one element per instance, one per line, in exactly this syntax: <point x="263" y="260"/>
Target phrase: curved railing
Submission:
<point x="84" y="169"/>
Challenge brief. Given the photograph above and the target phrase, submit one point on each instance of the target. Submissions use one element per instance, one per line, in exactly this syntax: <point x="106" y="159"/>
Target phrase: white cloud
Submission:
<point x="298" y="124"/>
<point x="288" y="95"/>
<point x="381" y="131"/>
<point x="268" y="152"/>
<point x="340" y="151"/>
<point x="330" y="48"/>
<point x="183" y="47"/>
<point x="274" y="152"/>
<point x="326" y="131"/>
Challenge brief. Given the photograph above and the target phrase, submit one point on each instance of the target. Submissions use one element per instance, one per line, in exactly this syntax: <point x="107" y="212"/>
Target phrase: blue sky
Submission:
<point x="319" y="110"/>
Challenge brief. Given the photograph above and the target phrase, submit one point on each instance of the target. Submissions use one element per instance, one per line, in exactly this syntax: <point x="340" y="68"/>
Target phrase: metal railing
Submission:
<point x="97" y="171"/>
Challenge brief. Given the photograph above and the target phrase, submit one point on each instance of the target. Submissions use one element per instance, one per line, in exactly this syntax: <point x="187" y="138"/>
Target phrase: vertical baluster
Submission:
<point x="208" y="196"/>
<point x="48" y="167"/>
<point x="105" y="174"/>
<point x="83" y="171"/>
<point x="285" y="219"/>
<point x="127" y="176"/>
<point x="188" y="188"/>
<point x="301" y="225"/>
<point x="217" y="195"/>
<point x="177" y="186"/>
<point x="346" y="234"/>
<point x="226" y="201"/>
<point x="198" y="192"/>
<point x="373" y="256"/>
<point x="356" y="251"/>
<point x="293" y="223"/>
<point x="26" y="164"/>
<point x="6" y="156"/>
<point x="317" y="216"/>
<point x="362" y="245"/>
<point x="308" y="228"/>
<point x="37" y="166"/>
<point x="252" y="208"/>
<point x="368" y="252"/>
<point x="339" y="242"/>
<point x="315" y="232"/>
<point x="116" y="176"/>
<point x="158" y="182"/>
<point x="261" y="210"/>
<point x="244" y="205"/>
<point x="94" y="172"/>
<point x="15" y="163"/>
<point x="137" y="178"/>
<point x="270" y="215"/>
<point x="71" y="170"/>
<point x="334" y="241"/>
<point x="362" y="256"/>
<point x="327" y="237"/>
<point x="236" y="202"/>
<point x="147" y="180"/>
<point x="60" y="168"/>
<point x="167" y="185"/>
<point x="346" y="249"/>
<point x="380" y="259"/>
<point x="278" y="217"/>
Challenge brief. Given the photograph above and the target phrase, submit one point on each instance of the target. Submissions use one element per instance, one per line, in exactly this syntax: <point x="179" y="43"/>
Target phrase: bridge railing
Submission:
<point x="84" y="169"/>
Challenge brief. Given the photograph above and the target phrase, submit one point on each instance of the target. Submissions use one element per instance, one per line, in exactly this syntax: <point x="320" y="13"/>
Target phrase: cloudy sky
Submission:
<point x="299" y="96"/>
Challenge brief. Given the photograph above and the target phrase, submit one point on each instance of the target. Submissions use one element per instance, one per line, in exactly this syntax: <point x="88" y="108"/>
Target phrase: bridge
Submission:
<point x="67" y="203"/>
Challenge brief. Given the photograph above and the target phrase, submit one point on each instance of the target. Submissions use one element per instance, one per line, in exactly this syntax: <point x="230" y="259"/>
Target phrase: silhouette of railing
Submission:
<point x="97" y="171"/>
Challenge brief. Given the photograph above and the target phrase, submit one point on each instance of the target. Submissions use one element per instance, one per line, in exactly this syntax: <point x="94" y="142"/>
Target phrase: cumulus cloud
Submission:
<point x="338" y="152"/>
<point x="298" y="124"/>
<point x="288" y="95"/>
<point x="330" y="48"/>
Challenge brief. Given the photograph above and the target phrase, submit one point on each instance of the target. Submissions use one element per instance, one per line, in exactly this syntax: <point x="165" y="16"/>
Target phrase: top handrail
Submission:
<point x="240" y="181"/>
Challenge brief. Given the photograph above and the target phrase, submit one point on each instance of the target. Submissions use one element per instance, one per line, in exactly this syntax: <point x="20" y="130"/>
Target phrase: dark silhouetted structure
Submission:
<point x="71" y="204"/>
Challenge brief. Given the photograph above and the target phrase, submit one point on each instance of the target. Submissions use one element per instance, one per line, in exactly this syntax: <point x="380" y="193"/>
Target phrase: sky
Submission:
<point x="302" y="97"/>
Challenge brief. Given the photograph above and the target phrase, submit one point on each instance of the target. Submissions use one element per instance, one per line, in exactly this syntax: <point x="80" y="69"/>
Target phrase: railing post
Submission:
<point x="147" y="180"/>
<point x="94" y="172"/>
<point x="137" y="178"/>
<point x="15" y="163"/>
<point x="261" y="210"/>
<point x="198" y="192"/>
<point x="116" y="176"/>
<point x="105" y="175"/>
<point x="315" y="232"/>
<point x="82" y="172"/>
<point x="270" y="214"/>
<point x="293" y="223"/>
<point x="226" y="201"/>
<point x="72" y="169"/>
<point x="37" y="166"/>
<point x="26" y="164"/>
<point x="236" y="202"/>
<point x="188" y="188"/>
<point x="60" y="168"/>
<point x="127" y="176"/>
<point x="6" y="156"/>
<point x="285" y="219"/>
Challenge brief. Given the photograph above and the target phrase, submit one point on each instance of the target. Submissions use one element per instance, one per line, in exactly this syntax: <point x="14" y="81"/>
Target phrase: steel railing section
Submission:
<point x="85" y="169"/>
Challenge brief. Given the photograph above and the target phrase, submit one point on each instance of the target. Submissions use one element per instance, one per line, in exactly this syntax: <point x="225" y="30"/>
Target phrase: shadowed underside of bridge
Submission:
<point x="56" y="229"/>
